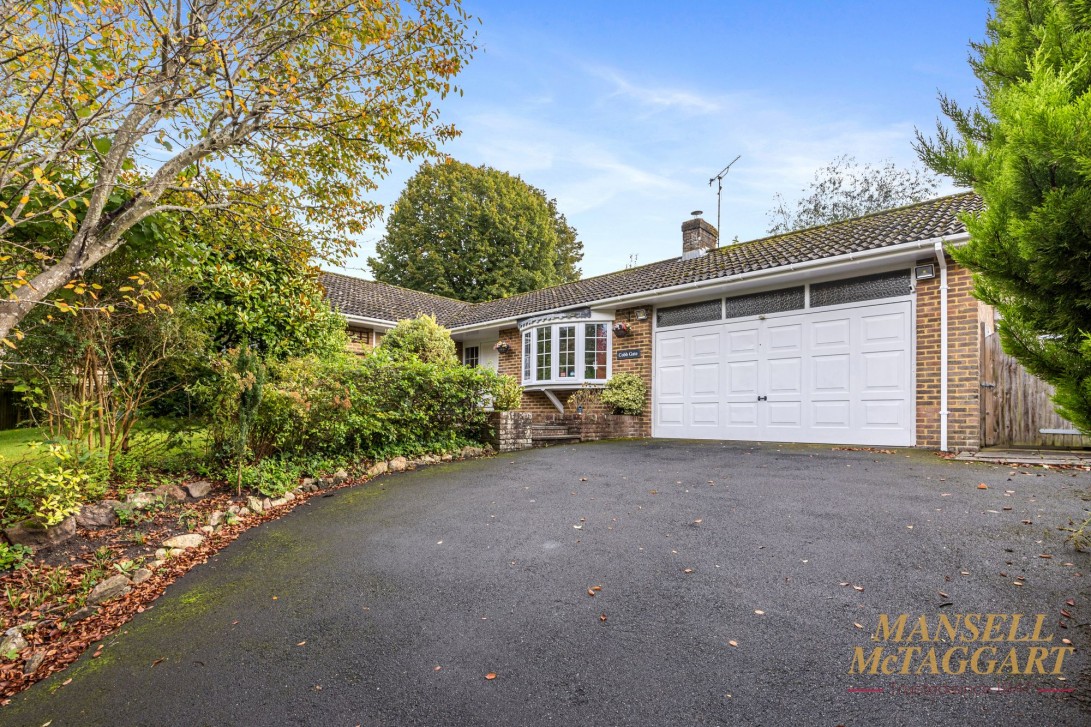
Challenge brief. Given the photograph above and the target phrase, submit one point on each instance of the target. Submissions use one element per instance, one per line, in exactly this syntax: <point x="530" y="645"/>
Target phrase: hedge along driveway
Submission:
<point x="391" y="603"/>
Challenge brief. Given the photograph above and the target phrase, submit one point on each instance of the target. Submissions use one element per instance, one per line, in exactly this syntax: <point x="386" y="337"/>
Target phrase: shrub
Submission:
<point x="508" y="395"/>
<point x="584" y="396"/>
<point x="377" y="406"/>
<point x="13" y="556"/>
<point x="47" y="494"/>
<point x="420" y="338"/>
<point x="271" y="477"/>
<point x="624" y="393"/>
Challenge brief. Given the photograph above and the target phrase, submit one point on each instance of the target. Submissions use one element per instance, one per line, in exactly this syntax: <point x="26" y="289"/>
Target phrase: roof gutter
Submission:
<point x="890" y="251"/>
<point x="373" y="322"/>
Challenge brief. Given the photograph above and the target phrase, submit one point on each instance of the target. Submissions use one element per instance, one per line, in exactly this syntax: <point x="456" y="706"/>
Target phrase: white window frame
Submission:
<point x="466" y="359"/>
<point x="530" y="354"/>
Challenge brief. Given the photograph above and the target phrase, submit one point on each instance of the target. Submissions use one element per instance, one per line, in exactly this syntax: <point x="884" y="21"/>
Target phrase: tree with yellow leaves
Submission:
<point x="119" y="110"/>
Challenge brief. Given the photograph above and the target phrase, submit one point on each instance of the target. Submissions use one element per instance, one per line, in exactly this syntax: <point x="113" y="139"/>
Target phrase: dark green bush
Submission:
<point x="377" y="406"/>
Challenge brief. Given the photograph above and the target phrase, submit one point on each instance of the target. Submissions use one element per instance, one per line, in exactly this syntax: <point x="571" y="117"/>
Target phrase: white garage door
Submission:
<point x="840" y="376"/>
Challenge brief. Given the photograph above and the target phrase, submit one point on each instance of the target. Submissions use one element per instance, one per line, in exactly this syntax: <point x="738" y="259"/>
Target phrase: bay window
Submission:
<point x="566" y="353"/>
<point x="544" y="352"/>
<point x="594" y="351"/>
<point x="528" y="339"/>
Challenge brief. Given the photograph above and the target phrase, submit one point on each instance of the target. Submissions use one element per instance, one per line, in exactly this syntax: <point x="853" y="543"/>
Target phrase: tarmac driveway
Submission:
<point x="723" y="601"/>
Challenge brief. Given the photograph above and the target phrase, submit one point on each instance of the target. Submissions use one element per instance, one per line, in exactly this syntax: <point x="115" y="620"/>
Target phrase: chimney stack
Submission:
<point x="698" y="237"/>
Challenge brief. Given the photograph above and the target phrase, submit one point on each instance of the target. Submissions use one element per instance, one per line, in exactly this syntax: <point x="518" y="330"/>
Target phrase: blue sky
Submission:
<point x="624" y="110"/>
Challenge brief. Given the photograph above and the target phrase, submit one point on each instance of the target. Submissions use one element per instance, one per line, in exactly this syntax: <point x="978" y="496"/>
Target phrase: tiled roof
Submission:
<point x="369" y="299"/>
<point x="922" y="221"/>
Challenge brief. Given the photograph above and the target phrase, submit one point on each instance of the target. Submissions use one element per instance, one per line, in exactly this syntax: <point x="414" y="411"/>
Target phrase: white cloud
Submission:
<point x="655" y="98"/>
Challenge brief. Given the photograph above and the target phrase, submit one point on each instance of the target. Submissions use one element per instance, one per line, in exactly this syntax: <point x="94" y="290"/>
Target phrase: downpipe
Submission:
<point x="941" y="259"/>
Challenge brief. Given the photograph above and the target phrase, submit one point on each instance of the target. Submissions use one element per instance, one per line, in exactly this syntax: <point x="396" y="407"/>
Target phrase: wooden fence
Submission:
<point x="1017" y="406"/>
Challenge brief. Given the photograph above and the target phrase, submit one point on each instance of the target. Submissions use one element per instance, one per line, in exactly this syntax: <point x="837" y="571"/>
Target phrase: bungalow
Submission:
<point x="862" y="332"/>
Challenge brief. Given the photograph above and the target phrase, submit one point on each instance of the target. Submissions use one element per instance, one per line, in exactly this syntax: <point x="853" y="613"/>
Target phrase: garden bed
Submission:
<point x="47" y="600"/>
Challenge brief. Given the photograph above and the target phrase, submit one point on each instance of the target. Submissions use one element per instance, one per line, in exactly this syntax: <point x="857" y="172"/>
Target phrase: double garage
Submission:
<point x="825" y="363"/>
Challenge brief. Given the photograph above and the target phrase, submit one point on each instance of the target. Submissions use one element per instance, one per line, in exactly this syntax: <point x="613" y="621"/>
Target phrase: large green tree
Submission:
<point x="1026" y="149"/>
<point x="475" y="233"/>
<point x="110" y="107"/>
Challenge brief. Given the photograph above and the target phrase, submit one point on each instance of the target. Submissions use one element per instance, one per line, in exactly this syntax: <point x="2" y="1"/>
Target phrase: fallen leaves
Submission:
<point x="490" y="676"/>
<point x="733" y="643"/>
<point x="602" y="617"/>
<point x="982" y="486"/>
<point x="687" y="571"/>
<point x="759" y="612"/>
<point x="593" y="590"/>
<point x="857" y="624"/>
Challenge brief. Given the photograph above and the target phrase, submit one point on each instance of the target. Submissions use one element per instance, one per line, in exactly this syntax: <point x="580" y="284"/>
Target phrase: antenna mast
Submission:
<point x="719" y="179"/>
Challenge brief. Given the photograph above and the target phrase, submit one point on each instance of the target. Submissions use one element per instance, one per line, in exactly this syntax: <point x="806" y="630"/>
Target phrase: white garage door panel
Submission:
<point x="832" y="376"/>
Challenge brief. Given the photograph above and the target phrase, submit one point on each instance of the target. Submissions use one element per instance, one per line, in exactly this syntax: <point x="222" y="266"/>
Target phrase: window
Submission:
<point x="527" y="355"/>
<point x="773" y="301"/>
<point x="868" y="287"/>
<point x="594" y="351"/>
<point x="471" y="356"/>
<point x="566" y="352"/>
<point x="544" y="359"/>
<point x="680" y="315"/>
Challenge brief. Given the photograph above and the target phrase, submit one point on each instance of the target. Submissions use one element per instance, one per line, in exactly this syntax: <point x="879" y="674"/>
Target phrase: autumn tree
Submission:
<point x="844" y="189"/>
<point x="1025" y="148"/>
<point x="109" y="107"/>
<point x="474" y="234"/>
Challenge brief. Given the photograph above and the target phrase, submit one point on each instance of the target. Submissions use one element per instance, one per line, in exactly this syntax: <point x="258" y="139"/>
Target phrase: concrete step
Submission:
<point x="548" y="440"/>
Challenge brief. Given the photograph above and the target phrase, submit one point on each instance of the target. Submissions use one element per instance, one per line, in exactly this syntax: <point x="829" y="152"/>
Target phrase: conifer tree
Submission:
<point x="1026" y="149"/>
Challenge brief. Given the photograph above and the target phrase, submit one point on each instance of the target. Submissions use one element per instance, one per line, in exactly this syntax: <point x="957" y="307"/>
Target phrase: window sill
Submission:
<point x="562" y="384"/>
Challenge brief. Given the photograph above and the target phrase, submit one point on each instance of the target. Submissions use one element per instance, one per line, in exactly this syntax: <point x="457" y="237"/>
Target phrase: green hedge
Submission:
<point x="376" y="406"/>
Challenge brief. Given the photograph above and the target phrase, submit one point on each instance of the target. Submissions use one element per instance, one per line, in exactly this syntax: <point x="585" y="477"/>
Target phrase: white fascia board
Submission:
<point x="374" y="323"/>
<point x="904" y="251"/>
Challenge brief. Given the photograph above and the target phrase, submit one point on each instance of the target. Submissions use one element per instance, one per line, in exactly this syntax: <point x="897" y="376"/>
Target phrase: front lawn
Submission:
<point x="15" y="447"/>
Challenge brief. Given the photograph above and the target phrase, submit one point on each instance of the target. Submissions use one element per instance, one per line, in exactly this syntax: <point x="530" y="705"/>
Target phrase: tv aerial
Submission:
<point x="719" y="179"/>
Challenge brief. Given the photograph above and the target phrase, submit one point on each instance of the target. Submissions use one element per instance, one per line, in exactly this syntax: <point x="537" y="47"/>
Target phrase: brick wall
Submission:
<point x="640" y="338"/>
<point x="963" y="362"/>
<point x="592" y="427"/>
<point x="511" y="430"/>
